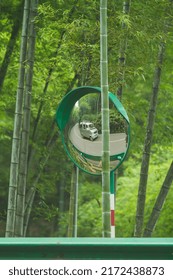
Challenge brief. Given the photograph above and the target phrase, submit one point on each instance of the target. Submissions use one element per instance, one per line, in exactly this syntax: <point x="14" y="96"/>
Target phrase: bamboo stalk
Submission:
<point x="14" y="167"/>
<point x="122" y="51"/>
<point x="11" y="44"/>
<point x="31" y="192"/>
<point x="159" y="202"/>
<point x="20" y="209"/>
<point x="121" y="69"/>
<point x="150" y="126"/>
<point x="28" y="208"/>
<point x="105" y="121"/>
<point x="46" y="85"/>
<point x="147" y="145"/>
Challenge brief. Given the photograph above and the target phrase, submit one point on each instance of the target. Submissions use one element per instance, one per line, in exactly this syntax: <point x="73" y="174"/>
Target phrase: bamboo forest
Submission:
<point x="49" y="48"/>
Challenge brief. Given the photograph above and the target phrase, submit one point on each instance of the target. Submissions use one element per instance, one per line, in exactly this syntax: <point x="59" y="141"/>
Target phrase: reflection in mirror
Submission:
<point x="83" y="135"/>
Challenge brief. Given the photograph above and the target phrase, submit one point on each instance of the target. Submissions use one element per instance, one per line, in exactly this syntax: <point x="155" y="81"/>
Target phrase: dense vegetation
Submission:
<point x="67" y="55"/>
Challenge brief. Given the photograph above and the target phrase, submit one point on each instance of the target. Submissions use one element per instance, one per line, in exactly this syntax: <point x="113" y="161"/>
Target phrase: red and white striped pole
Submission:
<point x="112" y="204"/>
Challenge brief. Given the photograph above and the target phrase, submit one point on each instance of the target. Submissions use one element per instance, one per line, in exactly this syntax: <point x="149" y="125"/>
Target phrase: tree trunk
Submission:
<point x="50" y="72"/>
<point x="159" y="202"/>
<point x="49" y="143"/>
<point x="121" y="70"/>
<point x="20" y="209"/>
<point x="9" y="51"/>
<point x="31" y="192"/>
<point x="28" y="208"/>
<point x="105" y="121"/>
<point x="122" y="51"/>
<point x="147" y="145"/>
<point x="11" y="44"/>
<point x="15" y="154"/>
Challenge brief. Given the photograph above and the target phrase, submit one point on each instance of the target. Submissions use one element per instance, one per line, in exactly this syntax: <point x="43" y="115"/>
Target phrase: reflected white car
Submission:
<point x="88" y="130"/>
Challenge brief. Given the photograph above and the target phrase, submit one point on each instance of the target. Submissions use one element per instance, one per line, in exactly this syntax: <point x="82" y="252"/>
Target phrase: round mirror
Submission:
<point x="81" y="129"/>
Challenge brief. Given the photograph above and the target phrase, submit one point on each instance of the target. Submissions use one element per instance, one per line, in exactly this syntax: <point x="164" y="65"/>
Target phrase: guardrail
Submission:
<point x="86" y="248"/>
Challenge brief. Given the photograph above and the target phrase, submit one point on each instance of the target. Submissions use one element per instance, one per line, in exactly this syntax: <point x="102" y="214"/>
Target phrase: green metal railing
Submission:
<point x="86" y="248"/>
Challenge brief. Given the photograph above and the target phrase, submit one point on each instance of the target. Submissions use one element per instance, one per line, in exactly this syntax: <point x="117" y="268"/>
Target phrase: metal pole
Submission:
<point x="112" y="204"/>
<point x="76" y="201"/>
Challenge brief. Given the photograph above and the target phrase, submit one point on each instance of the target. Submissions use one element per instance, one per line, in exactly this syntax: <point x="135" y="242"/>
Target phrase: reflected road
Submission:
<point x="94" y="148"/>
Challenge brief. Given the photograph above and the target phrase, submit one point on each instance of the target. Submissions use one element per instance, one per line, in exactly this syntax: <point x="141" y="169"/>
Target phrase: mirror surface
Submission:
<point x="83" y="134"/>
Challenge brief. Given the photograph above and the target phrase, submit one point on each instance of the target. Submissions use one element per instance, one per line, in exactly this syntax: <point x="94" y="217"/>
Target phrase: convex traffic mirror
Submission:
<point x="78" y="117"/>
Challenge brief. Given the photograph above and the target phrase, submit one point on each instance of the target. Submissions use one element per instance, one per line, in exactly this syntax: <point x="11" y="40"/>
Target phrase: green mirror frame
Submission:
<point x="64" y="111"/>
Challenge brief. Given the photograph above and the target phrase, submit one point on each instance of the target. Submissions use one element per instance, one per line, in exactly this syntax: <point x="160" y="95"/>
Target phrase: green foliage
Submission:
<point x="89" y="216"/>
<point x="45" y="211"/>
<point x="127" y="195"/>
<point x="116" y="122"/>
<point x="68" y="55"/>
